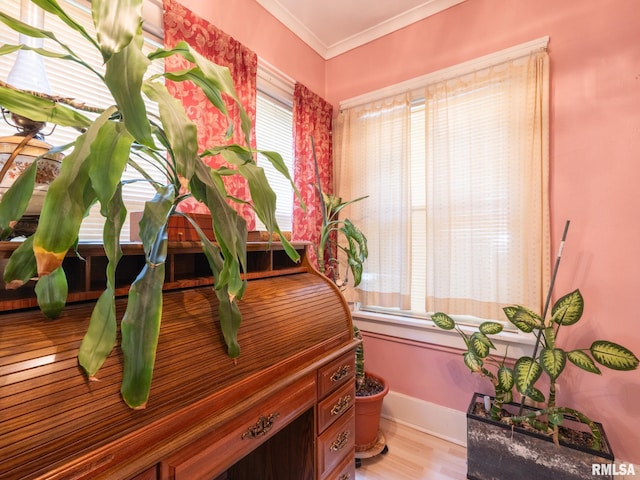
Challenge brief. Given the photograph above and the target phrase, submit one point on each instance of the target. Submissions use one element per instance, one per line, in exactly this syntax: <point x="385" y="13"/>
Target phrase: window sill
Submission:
<point x="424" y="331"/>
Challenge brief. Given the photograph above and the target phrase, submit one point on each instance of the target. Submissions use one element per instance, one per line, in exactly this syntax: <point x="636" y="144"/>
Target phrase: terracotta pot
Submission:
<point x="367" y="413"/>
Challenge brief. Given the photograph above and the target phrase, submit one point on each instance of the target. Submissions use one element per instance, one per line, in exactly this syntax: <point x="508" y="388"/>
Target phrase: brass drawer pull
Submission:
<point x="341" y="406"/>
<point x="262" y="426"/>
<point x="341" y="441"/>
<point x="345" y="476"/>
<point x="339" y="374"/>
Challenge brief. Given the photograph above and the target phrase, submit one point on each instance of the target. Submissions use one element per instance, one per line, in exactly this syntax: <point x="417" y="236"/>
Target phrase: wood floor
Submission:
<point x="414" y="455"/>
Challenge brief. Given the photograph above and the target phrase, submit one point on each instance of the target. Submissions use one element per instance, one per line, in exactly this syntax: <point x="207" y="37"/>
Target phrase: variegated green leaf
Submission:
<point x="480" y="344"/>
<point x="443" y="321"/>
<point x="506" y="378"/>
<point x="550" y="337"/>
<point x="555" y="418"/>
<point x="553" y="361"/>
<point x="568" y="309"/>
<point x="526" y="371"/>
<point x="582" y="360"/>
<point x="613" y="356"/>
<point x="490" y="328"/>
<point x="472" y="361"/>
<point x="524" y="319"/>
<point x="535" y="395"/>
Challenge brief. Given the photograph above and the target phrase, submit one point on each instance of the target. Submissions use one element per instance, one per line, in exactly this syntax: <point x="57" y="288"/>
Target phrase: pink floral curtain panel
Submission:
<point x="180" y="24"/>
<point x="311" y="119"/>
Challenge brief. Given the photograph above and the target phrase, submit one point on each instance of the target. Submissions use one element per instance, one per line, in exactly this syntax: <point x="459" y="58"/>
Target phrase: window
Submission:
<point x="274" y="132"/>
<point x="84" y="87"/>
<point x="456" y="173"/>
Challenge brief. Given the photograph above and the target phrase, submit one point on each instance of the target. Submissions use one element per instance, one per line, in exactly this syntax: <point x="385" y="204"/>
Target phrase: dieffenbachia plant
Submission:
<point x="108" y="142"/>
<point x="551" y="360"/>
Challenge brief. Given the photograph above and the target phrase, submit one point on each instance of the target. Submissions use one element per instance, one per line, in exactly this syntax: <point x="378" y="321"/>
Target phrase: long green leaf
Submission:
<point x="229" y="314"/>
<point x="100" y="337"/>
<point x="53" y="7"/>
<point x="211" y="74"/>
<point x="15" y="200"/>
<point x="140" y="329"/>
<point x="51" y="291"/>
<point x="568" y="309"/>
<point x="112" y="144"/>
<point x="124" y="76"/>
<point x="40" y="109"/>
<point x="117" y="22"/>
<point x="181" y="132"/>
<point x="21" y="266"/>
<point x="68" y="198"/>
<point x="613" y="356"/>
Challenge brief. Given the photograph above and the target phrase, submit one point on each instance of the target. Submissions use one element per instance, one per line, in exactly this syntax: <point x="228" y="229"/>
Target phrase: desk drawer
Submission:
<point x="332" y="407"/>
<point x="345" y="471"/>
<point x="337" y="443"/>
<point x="335" y="374"/>
<point x="214" y="453"/>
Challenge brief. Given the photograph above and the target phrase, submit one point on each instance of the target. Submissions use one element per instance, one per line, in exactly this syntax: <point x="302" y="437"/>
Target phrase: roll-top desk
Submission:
<point x="283" y="410"/>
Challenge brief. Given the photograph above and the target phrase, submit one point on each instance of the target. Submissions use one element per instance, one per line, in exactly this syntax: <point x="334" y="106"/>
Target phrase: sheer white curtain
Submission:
<point x="457" y="216"/>
<point x="486" y="212"/>
<point x="372" y="152"/>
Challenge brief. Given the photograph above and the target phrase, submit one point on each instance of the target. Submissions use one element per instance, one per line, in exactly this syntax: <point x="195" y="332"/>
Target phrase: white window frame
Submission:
<point x="422" y="330"/>
<point x="277" y="88"/>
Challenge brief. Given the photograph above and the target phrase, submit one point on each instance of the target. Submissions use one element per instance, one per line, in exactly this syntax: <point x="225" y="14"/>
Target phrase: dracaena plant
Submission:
<point x="353" y="244"/>
<point x="550" y="361"/>
<point x="109" y="141"/>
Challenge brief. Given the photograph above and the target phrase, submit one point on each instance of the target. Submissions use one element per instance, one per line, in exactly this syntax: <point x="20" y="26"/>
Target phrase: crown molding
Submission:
<point x="430" y="7"/>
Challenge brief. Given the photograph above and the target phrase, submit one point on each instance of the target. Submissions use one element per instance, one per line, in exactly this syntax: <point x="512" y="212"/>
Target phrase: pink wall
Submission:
<point x="257" y="29"/>
<point x="595" y="167"/>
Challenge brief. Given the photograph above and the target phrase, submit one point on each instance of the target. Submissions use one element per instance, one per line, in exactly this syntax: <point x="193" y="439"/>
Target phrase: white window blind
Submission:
<point x="463" y="161"/>
<point x="274" y="132"/>
<point x="70" y="80"/>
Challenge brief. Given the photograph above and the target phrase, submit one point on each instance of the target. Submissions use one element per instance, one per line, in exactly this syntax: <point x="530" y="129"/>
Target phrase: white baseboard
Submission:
<point x="436" y="420"/>
<point x="431" y="418"/>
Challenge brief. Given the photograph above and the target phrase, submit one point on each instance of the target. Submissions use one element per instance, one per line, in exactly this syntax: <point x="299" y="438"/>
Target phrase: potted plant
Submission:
<point x="108" y="141"/>
<point x="341" y="239"/>
<point x="370" y="392"/>
<point x="507" y="440"/>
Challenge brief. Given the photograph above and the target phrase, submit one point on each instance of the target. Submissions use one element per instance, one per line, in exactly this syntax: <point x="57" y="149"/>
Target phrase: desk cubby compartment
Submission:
<point x="258" y="261"/>
<point x="187" y="266"/>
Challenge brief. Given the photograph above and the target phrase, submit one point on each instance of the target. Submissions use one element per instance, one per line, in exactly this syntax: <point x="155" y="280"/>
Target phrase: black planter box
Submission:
<point x="496" y="451"/>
